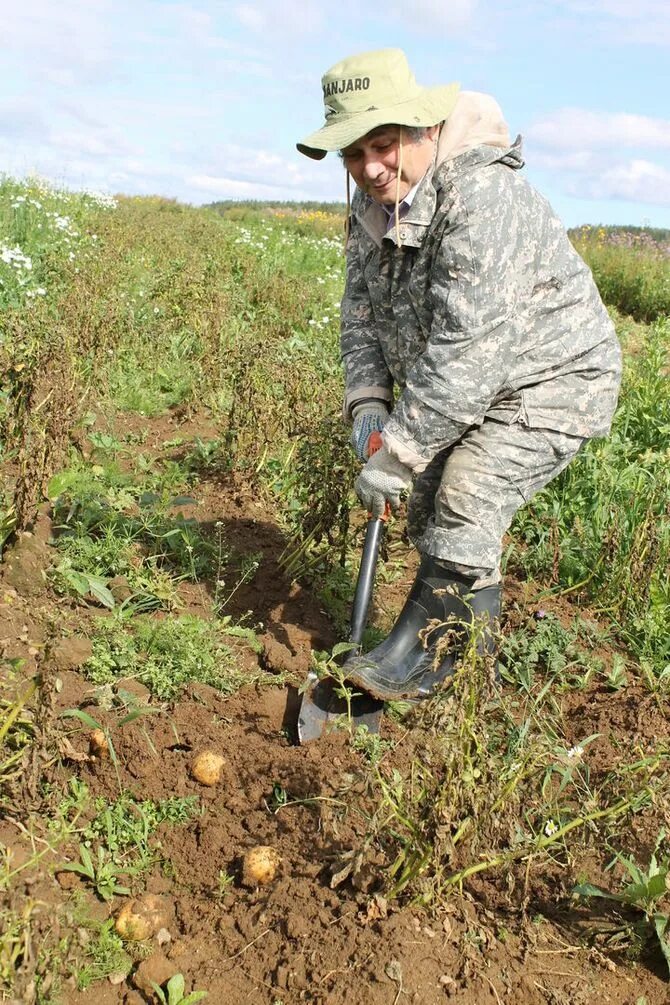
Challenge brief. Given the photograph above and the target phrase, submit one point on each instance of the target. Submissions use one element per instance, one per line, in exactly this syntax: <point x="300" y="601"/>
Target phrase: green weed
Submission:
<point x="174" y="993"/>
<point x="105" y="956"/>
<point x="126" y="827"/>
<point x="224" y="884"/>
<point x="102" y="872"/>
<point x="16" y="725"/>
<point x="544" y="645"/>
<point x="120" y="840"/>
<point x="165" y="655"/>
<point x="646" y="892"/>
<point x="371" y="745"/>
<point x="15" y="930"/>
<point x="328" y="666"/>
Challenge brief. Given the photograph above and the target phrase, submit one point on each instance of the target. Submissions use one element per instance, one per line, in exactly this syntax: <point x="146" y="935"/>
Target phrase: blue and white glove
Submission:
<point x="382" y="481"/>
<point x="369" y="417"/>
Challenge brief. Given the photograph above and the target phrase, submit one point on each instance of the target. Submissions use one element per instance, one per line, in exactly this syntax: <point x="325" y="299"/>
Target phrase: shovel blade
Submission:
<point x="321" y="706"/>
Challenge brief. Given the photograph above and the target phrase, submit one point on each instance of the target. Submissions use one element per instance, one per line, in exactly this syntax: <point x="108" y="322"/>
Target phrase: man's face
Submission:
<point x="373" y="162"/>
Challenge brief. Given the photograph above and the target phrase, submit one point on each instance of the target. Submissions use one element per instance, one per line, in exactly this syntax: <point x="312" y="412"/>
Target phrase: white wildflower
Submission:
<point x="550" y="828"/>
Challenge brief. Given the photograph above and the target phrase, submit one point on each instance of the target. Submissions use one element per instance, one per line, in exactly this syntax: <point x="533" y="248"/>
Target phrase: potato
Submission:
<point x="140" y="919"/>
<point x="260" y="865"/>
<point x="206" y="767"/>
<point x="98" y="744"/>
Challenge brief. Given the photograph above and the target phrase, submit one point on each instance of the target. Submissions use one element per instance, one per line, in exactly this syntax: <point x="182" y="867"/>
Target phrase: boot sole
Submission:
<point x="381" y="693"/>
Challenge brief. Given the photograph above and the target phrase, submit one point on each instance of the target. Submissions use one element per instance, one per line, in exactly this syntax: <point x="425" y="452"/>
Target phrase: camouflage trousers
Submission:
<point x="465" y="500"/>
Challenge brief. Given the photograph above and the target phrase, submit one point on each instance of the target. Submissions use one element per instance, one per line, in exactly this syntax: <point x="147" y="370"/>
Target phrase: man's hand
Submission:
<point x="381" y="481"/>
<point x="369" y="417"/>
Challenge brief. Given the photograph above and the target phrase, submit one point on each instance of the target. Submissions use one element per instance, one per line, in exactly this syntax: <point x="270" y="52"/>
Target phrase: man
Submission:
<point x="472" y="334"/>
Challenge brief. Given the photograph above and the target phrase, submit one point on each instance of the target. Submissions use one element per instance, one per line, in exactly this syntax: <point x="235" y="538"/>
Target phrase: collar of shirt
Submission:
<point x="403" y="206"/>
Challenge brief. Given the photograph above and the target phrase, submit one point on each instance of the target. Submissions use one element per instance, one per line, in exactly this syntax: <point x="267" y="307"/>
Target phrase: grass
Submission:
<point x="119" y="842"/>
<point x="164" y="655"/>
<point x="104" y="956"/>
<point x="631" y="268"/>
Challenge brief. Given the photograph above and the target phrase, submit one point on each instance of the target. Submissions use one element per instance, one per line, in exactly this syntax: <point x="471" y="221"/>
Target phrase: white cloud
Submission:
<point x="428" y="15"/>
<point x="634" y="181"/>
<point x="651" y="11"/>
<point x="231" y="188"/>
<point x="250" y="17"/>
<point x="643" y="22"/>
<point x="66" y="43"/>
<point x="578" y="129"/>
<point x="583" y="152"/>
<point x="250" y="164"/>
<point x="288" y="18"/>
<point x="94" y="143"/>
<point x="579" y="160"/>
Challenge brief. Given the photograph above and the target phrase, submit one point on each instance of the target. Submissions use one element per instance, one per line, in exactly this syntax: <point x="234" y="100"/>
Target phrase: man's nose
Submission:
<point x="373" y="167"/>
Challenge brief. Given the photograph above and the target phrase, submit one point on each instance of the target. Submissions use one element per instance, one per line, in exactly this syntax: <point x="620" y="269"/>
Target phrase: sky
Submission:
<point x="205" y="101"/>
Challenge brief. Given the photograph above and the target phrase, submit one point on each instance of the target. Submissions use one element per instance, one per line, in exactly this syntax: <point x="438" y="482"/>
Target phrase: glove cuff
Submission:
<point x="370" y="406"/>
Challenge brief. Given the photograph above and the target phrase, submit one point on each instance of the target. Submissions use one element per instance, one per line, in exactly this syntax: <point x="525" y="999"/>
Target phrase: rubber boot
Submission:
<point x="484" y="605"/>
<point x="396" y="667"/>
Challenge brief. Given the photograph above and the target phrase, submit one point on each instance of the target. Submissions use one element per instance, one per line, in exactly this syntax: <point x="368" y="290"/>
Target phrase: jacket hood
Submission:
<point x="477" y="120"/>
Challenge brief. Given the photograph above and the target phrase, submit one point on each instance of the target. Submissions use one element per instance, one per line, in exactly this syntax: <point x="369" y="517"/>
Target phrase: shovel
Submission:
<point x="320" y="704"/>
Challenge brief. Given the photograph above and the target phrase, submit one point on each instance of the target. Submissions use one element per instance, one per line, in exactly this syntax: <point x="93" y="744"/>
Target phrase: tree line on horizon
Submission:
<point x="224" y="206"/>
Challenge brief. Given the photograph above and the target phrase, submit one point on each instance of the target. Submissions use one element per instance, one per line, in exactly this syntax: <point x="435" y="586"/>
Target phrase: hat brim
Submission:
<point x="433" y="105"/>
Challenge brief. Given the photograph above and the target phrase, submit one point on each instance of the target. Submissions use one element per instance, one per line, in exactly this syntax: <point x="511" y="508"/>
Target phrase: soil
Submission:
<point x="298" y="939"/>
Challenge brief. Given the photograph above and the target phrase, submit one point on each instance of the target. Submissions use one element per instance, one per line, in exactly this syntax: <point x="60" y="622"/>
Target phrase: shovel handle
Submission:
<point x="366" y="573"/>
<point x="366" y="578"/>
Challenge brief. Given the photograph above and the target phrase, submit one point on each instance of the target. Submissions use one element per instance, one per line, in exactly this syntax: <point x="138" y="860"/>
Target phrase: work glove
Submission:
<point x="381" y="481"/>
<point x="369" y="417"/>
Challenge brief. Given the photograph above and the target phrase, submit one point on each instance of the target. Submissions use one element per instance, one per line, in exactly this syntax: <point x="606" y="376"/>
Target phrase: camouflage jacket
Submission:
<point x="485" y="309"/>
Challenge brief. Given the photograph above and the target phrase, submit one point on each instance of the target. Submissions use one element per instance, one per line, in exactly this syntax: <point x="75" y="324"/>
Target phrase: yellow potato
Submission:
<point x="98" y="744"/>
<point x="140" y="919"/>
<point x="206" y="767"/>
<point x="260" y="865"/>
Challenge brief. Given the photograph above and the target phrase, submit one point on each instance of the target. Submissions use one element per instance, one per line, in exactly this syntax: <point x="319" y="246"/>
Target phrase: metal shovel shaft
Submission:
<point x="366" y="579"/>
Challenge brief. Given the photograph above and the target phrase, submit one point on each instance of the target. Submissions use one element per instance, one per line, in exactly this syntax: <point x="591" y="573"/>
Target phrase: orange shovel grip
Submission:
<point x="374" y="444"/>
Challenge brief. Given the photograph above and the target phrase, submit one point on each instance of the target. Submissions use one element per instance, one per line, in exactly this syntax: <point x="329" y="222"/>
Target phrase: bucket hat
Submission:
<point x="374" y="89"/>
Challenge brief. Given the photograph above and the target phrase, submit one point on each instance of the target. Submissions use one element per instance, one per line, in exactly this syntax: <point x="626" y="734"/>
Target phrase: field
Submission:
<point x="179" y="547"/>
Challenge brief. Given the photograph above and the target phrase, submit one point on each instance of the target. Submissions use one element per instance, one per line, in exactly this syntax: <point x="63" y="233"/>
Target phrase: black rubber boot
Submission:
<point x="396" y="668"/>
<point x="483" y="605"/>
